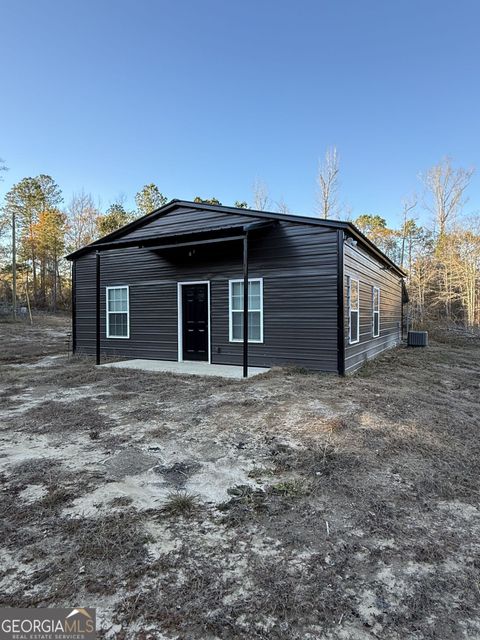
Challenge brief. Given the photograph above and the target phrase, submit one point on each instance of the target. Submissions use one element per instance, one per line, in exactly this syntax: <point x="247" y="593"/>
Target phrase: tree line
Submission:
<point x="441" y="256"/>
<point x="38" y="228"/>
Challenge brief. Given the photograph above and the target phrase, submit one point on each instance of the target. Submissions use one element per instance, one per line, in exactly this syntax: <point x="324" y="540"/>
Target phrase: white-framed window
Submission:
<point x="255" y="310"/>
<point x="375" y="311"/>
<point x="353" y="310"/>
<point x="118" y="314"/>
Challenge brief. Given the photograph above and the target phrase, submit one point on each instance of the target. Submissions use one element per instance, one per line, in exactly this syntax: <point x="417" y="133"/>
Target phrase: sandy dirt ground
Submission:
<point x="289" y="506"/>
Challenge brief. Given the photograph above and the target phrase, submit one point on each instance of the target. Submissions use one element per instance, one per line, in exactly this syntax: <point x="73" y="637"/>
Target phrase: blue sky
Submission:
<point x="201" y="97"/>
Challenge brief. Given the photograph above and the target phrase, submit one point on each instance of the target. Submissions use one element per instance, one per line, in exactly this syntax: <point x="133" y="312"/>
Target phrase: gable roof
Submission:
<point x="248" y="213"/>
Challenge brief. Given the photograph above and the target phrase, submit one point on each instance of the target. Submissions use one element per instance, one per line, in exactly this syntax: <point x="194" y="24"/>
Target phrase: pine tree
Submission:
<point x="148" y="199"/>
<point x="24" y="204"/>
<point x="114" y="218"/>
<point x="213" y="201"/>
<point x="49" y="234"/>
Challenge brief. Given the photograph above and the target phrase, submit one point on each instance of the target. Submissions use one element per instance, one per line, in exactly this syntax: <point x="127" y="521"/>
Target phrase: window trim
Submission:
<point x="107" y="312"/>
<point x="232" y="311"/>
<point x="375" y="335"/>
<point x="350" y="280"/>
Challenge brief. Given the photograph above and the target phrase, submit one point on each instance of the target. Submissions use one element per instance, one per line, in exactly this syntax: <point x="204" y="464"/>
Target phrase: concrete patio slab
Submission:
<point x="187" y="368"/>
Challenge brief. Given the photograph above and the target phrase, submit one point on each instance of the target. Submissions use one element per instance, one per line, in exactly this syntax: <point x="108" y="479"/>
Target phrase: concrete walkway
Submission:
<point x="187" y="368"/>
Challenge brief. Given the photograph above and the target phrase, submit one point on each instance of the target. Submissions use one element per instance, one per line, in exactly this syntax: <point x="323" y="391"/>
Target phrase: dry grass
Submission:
<point x="35" y="471"/>
<point x="290" y="506"/>
<point x="22" y="342"/>
<point x="62" y="417"/>
<point x="117" y="537"/>
<point x="181" y="503"/>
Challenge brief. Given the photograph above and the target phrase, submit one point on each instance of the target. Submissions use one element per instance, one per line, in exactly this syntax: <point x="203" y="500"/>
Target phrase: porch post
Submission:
<point x="245" y="306"/>
<point x="97" y="308"/>
<point x="74" y="308"/>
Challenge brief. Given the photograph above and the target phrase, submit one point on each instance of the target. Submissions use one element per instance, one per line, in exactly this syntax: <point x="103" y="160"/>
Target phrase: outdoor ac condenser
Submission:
<point x="417" y="339"/>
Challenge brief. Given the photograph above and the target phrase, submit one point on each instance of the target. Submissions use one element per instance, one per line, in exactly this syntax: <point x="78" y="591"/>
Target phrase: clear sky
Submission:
<point x="202" y="96"/>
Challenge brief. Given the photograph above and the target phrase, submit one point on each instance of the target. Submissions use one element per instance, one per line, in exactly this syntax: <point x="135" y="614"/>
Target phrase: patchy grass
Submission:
<point x="62" y="417"/>
<point x="114" y="537"/>
<point x="290" y="506"/>
<point x="180" y="503"/>
<point x="26" y="343"/>
<point x="291" y="488"/>
<point x="55" y="499"/>
<point x="35" y="471"/>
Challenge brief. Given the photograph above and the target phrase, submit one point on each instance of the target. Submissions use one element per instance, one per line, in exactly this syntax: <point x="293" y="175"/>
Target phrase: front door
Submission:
<point x="195" y="321"/>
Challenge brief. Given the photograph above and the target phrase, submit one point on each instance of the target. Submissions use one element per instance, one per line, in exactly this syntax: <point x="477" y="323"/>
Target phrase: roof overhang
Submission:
<point x="111" y="240"/>
<point x="214" y="235"/>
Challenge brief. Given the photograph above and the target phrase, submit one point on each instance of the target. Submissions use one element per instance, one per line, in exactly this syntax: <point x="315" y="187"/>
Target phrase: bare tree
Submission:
<point x="261" y="198"/>
<point x="408" y="226"/>
<point x="4" y="223"/>
<point x="282" y="206"/>
<point x="467" y="243"/>
<point x="328" y="184"/>
<point x="82" y="215"/>
<point x="445" y="198"/>
<point x="446" y="192"/>
<point x="121" y="199"/>
<point x="456" y="285"/>
<point x="347" y="212"/>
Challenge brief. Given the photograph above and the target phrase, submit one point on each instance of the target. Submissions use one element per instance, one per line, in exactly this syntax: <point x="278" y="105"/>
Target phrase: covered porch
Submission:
<point x="189" y="245"/>
<point x="190" y="368"/>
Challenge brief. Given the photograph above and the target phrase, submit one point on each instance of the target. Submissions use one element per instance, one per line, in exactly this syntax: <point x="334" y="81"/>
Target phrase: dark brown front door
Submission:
<point x="195" y="321"/>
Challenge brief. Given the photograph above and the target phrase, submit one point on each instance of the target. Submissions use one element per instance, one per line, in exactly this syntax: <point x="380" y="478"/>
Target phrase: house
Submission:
<point x="170" y="286"/>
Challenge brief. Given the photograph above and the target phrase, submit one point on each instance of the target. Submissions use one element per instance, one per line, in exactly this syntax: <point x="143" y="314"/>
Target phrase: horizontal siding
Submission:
<point x="299" y="323"/>
<point x="359" y="264"/>
<point x="297" y="262"/>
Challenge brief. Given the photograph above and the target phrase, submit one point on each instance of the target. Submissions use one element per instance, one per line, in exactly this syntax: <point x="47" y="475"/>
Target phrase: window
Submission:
<point x="255" y="310"/>
<point x="118" y="317"/>
<point x="353" y="309"/>
<point x="376" y="311"/>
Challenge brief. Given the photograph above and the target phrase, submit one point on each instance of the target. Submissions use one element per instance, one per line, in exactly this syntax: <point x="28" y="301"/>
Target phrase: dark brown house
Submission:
<point x="170" y="286"/>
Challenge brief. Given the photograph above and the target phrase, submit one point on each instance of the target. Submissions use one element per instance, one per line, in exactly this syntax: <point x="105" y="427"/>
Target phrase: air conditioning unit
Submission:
<point x="417" y="339"/>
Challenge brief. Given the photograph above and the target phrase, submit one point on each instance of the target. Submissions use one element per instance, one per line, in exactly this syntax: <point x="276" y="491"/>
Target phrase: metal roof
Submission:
<point x="252" y="213"/>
